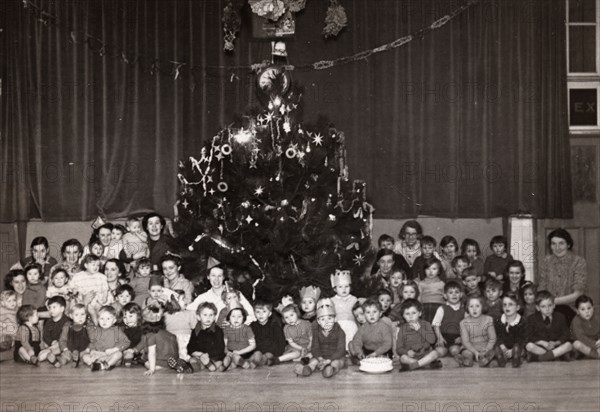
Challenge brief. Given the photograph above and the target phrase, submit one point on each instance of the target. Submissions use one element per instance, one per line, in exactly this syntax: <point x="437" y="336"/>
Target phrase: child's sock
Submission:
<point x="329" y="371"/>
<point x="594" y="354"/>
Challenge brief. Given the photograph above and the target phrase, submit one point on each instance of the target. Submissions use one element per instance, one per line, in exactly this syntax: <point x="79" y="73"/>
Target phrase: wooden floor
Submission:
<point x="573" y="386"/>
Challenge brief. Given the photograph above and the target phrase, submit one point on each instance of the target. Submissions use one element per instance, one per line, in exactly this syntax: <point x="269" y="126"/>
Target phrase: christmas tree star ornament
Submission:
<point x="249" y="219"/>
<point x="185" y="203"/>
<point x="358" y="259"/>
<point x="259" y="191"/>
<point x="318" y="139"/>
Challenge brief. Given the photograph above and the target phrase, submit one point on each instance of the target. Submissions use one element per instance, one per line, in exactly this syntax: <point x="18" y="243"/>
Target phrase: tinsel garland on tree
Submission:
<point x="270" y="195"/>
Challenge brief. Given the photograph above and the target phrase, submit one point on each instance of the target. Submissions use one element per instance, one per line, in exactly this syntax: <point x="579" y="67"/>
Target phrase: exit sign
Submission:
<point x="583" y="107"/>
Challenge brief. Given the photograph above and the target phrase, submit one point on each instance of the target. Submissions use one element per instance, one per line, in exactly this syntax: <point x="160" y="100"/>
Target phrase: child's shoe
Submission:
<point x="328" y="371"/>
<point x="302" y="370"/>
<point x="486" y="358"/>
<point x="33" y="360"/>
<point x="567" y="357"/>
<point x="105" y="366"/>
<point x="304" y="360"/>
<point x="500" y="357"/>
<point x="468" y="362"/>
<point x="180" y="365"/>
<point x="460" y="359"/>
<point x="436" y="364"/>
<point x="96" y="366"/>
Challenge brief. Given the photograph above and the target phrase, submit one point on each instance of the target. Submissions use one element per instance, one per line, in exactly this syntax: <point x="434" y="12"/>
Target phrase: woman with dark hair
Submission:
<point x="158" y="242"/>
<point x="386" y="263"/>
<point x="16" y="280"/>
<point x="40" y="254"/>
<point x="563" y="273"/>
<point x="409" y="245"/>
<point x="102" y="234"/>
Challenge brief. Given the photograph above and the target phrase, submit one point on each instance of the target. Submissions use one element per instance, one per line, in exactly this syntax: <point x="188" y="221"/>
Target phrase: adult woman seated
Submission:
<point x="71" y="251"/>
<point x="216" y="276"/>
<point x="386" y="263"/>
<point x="409" y="245"/>
<point x="158" y="242"/>
<point x="40" y="254"/>
<point x="563" y="273"/>
<point x="15" y="280"/>
<point x="104" y="235"/>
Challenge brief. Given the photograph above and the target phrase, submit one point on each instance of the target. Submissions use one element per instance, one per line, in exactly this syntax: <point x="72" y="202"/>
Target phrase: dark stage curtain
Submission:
<point x="468" y="121"/>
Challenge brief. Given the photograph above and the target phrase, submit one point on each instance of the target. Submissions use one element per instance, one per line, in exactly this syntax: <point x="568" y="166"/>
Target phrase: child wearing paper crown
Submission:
<point x="309" y="296"/>
<point x="328" y="346"/>
<point x="343" y="303"/>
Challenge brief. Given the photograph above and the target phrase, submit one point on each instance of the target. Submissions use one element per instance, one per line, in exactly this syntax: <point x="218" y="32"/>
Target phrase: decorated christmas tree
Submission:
<point x="271" y="196"/>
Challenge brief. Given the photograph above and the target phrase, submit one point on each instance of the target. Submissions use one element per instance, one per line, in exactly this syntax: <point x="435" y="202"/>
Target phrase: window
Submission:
<point x="583" y="65"/>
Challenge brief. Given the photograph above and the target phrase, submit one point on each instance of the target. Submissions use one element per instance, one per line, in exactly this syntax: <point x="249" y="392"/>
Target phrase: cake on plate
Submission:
<point x="376" y="365"/>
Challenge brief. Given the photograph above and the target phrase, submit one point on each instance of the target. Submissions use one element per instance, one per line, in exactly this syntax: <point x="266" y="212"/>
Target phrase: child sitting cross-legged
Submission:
<point x="239" y="338"/>
<point x="446" y="322"/>
<point x="74" y="337"/>
<point x="328" y="346"/>
<point x="374" y="338"/>
<point x="268" y="332"/>
<point x="28" y="337"/>
<point x="53" y="328"/>
<point x="207" y="344"/>
<point x="8" y="322"/>
<point x="585" y="328"/>
<point x="477" y="334"/>
<point x="415" y="339"/>
<point x="107" y="342"/>
<point x="548" y="331"/>
<point x="511" y="330"/>
<point x="159" y="346"/>
<point x="297" y="332"/>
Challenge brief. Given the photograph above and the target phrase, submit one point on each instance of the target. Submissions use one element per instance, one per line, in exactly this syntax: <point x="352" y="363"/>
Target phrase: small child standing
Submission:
<point x="140" y="282"/>
<point x="107" y="342"/>
<point x="415" y="339"/>
<point x="328" y="346"/>
<point x="428" y="245"/>
<point x="431" y="289"/>
<point x="35" y="294"/>
<point x="53" y="328"/>
<point x="477" y="334"/>
<point x="470" y="280"/>
<point x="471" y="250"/>
<point x="180" y="322"/>
<point x="8" y="321"/>
<point x="297" y="332"/>
<point x="449" y="250"/>
<point x="397" y="278"/>
<point x="131" y="315"/>
<point x="90" y="286"/>
<point x="495" y="265"/>
<point x="268" y="332"/>
<point x="385" y="297"/>
<point x="493" y="302"/>
<point x="408" y="290"/>
<point x="459" y="265"/>
<point x="309" y="295"/>
<point x="239" y="338"/>
<point x="528" y="292"/>
<point x="511" y="330"/>
<point x="548" y="331"/>
<point x="74" y="338"/>
<point x="343" y="302"/>
<point x="207" y="343"/>
<point x="374" y="338"/>
<point x="446" y="322"/>
<point x="28" y="337"/>
<point x="585" y="328"/>
<point x="158" y="345"/>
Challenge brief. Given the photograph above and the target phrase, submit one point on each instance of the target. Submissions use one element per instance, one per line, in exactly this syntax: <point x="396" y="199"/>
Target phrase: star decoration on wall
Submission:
<point x="358" y="259"/>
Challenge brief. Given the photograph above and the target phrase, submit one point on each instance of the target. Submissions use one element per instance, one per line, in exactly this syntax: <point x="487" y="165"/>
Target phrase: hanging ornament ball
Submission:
<point x="290" y="153"/>
<point x="226" y="149"/>
<point x="222" y="187"/>
<point x="284" y="202"/>
<point x="332" y="218"/>
<point x="246" y="204"/>
<point x="286" y="127"/>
